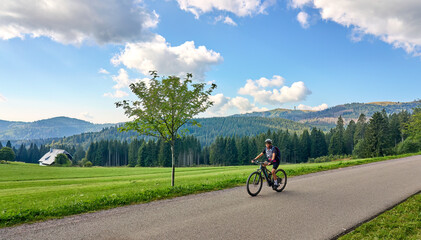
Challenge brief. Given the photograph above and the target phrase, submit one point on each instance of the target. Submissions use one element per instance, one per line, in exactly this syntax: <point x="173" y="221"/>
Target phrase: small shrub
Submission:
<point x="62" y="160"/>
<point x="88" y="164"/>
<point x="3" y="162"/>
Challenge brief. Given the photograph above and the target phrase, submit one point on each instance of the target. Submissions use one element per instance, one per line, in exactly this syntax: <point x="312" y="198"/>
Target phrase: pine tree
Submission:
<point x="164" y="155"/>
<point x="141" y="155"/>
<point x="305" y="146"/>
<point x="360" y="128"/>
<point x="133" y="149"/>
<point x="9" y="144"/>
<point x="296" y="146"/>
<point x="231" y="152"/>
<point x="349" y="137"/>
<point x="243" y="151"/>
<point x="337" y="145"/>
<point x="377" y="135"/>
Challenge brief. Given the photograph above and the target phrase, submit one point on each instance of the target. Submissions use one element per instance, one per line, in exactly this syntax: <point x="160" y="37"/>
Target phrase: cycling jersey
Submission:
<point x="269" y="153"/>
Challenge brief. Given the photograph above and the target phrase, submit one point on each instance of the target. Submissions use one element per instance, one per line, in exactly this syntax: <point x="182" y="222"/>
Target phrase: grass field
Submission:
<point x="29" y="192"/>
<point x="401" y="222"/>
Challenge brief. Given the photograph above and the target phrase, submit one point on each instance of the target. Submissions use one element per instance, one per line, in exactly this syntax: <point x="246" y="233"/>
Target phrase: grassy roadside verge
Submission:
<point x="401" y="222"/>
<point x="30" y="193"/>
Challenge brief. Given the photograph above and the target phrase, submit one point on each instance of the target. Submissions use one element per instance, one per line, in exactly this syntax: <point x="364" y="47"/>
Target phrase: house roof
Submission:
<point x="51" y="155"/>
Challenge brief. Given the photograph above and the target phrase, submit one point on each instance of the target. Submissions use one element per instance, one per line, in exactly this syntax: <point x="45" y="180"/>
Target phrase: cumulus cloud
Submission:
<point x="117" y="94"/>
<point x="159" y="55"/>
<point x="396" y="23"/>
<point x="225" y="105"/>
<point x="76" y="21"/>
<point x="103" y="71"/>
<point x="240" y="8"/>
<point x="258" y="90"/>
<point x="302" y="18"/>
<point x="123" y="81"/>
<point x="2" y="98"/>
<point x="316" y="108"/>
<point x="226" y="20"/>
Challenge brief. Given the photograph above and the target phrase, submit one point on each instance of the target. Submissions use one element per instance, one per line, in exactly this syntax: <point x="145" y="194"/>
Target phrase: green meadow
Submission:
<point x="29" y="192"/>
<point x="401" y="222"/>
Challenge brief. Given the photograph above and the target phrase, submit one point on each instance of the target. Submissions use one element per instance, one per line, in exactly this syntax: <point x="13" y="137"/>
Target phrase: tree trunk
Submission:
<point x="173" y="164"/>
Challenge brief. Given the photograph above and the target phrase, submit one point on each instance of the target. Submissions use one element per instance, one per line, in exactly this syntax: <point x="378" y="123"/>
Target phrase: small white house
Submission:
<point x="50" y="157"/>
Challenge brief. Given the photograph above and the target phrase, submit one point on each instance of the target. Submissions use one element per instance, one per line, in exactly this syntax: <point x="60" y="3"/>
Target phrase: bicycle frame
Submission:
<point x="265" y="173"/>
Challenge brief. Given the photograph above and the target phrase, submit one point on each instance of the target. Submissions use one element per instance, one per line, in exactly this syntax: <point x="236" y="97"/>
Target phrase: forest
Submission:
<point x="383" y="134"/>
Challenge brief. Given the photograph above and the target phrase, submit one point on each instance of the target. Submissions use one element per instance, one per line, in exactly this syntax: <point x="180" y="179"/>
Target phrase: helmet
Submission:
<point x="268" y="141"/>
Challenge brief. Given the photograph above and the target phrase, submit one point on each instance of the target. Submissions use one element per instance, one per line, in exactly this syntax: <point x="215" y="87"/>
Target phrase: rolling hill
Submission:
<point x="47" y="128"/>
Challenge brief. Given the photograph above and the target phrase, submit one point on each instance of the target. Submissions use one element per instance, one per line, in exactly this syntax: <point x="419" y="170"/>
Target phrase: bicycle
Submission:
<point x="255" y="180"/>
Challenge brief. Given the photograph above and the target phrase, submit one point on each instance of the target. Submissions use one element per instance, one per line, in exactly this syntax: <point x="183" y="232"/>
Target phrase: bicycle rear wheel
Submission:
<point x="282" y="180"/>
<point x="254" y="183"/>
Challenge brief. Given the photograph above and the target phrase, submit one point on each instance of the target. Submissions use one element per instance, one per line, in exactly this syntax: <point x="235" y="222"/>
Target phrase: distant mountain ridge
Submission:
<point x="56" y="127"/>
<point x="329" y="116"/>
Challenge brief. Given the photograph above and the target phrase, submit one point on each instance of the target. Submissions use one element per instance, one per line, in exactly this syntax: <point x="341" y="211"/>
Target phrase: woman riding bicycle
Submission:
<point x="273" y="155"/>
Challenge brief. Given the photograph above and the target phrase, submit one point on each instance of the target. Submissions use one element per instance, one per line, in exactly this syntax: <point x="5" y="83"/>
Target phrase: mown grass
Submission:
<point x="29" y="192"/>
<point x="401" y="222"/>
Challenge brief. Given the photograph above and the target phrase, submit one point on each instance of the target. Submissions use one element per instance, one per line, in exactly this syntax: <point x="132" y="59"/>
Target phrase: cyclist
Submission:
<point x="273" y="155"/>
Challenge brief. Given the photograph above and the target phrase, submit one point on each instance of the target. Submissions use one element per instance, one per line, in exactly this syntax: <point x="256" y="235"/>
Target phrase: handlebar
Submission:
<point x="257" y="162"/>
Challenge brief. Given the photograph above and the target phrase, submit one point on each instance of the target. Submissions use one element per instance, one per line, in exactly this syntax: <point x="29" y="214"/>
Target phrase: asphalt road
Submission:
<point x="314" y="206"/>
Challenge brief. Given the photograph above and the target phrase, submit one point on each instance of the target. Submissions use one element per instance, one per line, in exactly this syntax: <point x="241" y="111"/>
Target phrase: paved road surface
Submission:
<point x="315" y="206"/>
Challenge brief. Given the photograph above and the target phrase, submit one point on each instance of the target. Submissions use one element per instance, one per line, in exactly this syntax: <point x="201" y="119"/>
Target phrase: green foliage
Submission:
<point x="62" y="160"/>
<point x="163" y="107"/>
<point x="329" y="158"/>
<point x="87" y="164"/>
<point x="3" y="162"/>
<point x="7" y="154"/>
<point x="337" y="143"/>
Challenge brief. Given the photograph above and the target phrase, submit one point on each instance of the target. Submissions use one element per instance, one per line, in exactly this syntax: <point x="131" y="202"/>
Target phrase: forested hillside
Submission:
<point x="210" y="130"/>
<point x="348" y="112"/>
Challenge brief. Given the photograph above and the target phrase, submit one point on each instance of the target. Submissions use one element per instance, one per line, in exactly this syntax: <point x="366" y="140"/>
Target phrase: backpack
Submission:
<point x="277" y="154"/>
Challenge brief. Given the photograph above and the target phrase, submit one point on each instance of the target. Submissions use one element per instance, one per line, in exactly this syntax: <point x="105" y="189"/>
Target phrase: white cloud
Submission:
<point x="240" y="8"/>
<point x="226" y="20"/>
<point x="225" y="105"/>
<point x="302" y="18"/>
<point x="299" y="3"/>
<point x="103" y="71"/>
<point x="117" y="94"/>
<point x="229" y="21"/>
<point x="321" y="107"/>
<point x="2" y="98"/>
<point x="76" y="21"/>
<point x="397" y="23"/>
<point x="159" y="55"/>
<point x="123" y="81"/>
<point x="257" y="89"/>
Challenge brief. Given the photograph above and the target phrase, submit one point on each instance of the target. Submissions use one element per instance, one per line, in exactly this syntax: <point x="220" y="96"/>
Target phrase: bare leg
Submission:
<point x="274" y="175"/>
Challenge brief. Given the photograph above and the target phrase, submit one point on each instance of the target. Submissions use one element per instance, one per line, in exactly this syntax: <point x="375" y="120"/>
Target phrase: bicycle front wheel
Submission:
<point x="254" y="183"/>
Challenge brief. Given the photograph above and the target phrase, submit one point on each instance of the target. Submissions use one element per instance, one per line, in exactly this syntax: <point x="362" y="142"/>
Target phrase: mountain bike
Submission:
<point x="255" y="180"/>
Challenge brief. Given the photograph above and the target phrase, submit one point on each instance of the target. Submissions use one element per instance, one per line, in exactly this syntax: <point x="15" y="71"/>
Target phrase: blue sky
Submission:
<point x="322" y="61"/>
